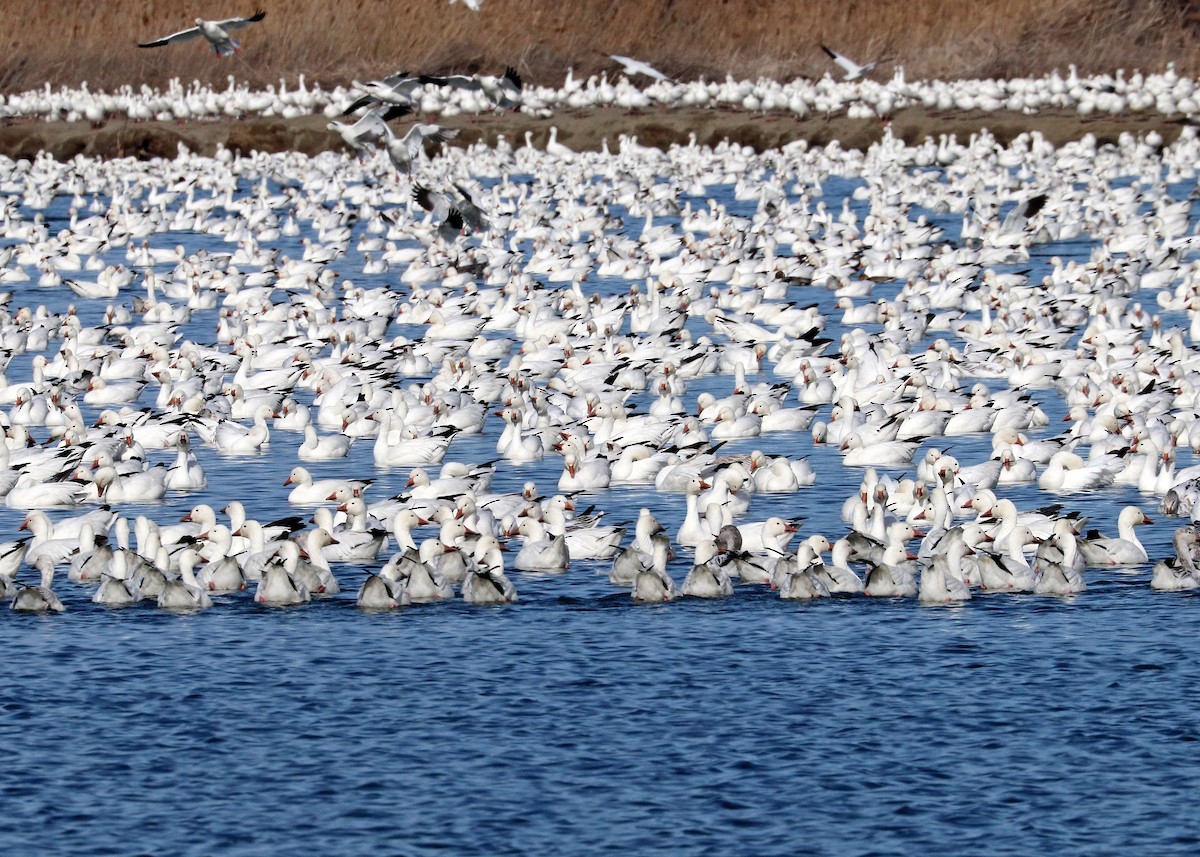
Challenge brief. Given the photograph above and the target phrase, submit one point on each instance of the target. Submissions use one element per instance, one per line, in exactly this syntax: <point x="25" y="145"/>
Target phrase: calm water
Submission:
<point x="578" y="722"/>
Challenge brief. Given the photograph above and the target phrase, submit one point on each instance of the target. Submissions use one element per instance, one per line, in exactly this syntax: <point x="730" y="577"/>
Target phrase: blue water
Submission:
<point x="578" y="722"/>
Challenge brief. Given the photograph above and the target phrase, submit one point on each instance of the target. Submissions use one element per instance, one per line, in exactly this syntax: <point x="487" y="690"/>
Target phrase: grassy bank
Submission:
<point x="333" y="42"/>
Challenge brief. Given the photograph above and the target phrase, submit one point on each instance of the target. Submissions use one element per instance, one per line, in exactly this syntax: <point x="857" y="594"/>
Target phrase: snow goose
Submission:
<point x="707" y="578"/>
<point x="308" y="491"/>
<point x="1125" y="549"/>
<point x="652" y="585"/>
<point x="799" y="577"/>
<point x="584" y="540"/>
<point x="837" y="574"/>
<point x="941" y="582"/>
<point x="633" y="67"/>
<point x="485" y="582"/>
<point x="1058" y="563"/>
<point x="881" y="453"/>
<point x="215" y="32"/>
<point x="540" y="551"/>
<point x="853" y="70"/>
<point x="1007" y="570"/>
<point x="322" y="448"/>
<point x="691" y="530"/>
<point x="185" y="473"/>
<point x="277" y="586"/>
<point x="404" y="150"/>
<point x="361" y="539"/>
<point x="379" y="593"/>
<point x="1180" y="571"/>
<point x="40" y="598"/>
<point x="890" y="577"/>
<point x="233" y="438"/>
<point x="184" y="593"/>
<point x="422" y="582"/>
<point x="118" y="588"/>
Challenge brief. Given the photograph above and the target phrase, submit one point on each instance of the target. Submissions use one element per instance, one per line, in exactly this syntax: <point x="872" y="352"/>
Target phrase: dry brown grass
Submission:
<point x="334" y="42"/>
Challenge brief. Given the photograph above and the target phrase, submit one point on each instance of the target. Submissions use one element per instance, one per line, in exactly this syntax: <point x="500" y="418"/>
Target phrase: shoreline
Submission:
<point x="584" y="130"/>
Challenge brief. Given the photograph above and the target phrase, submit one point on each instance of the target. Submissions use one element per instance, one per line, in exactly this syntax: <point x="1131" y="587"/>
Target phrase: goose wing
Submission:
<point x="238" y="23"/>
<point x="850" y="66"/>
<point x="181" y="36"/>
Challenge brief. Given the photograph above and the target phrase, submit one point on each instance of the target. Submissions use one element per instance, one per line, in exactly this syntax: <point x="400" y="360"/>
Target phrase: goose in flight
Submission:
<point x="503" y="91"/>
<point x="442" y="205"/>
<point x="217" y="33"/>
<point x="372" y="127"/>
<point x="1018" y="218"/>
<point x="404" y="150"/>
<point x="394" y="89"/>
<point x="853" y="70"/>
<point x="632" y="67"/>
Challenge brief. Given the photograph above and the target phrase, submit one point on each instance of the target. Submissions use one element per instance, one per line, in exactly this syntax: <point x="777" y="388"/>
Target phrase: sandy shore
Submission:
<point x="584" y="130"/>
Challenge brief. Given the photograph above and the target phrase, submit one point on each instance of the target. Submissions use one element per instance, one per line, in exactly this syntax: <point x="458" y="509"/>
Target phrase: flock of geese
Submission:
<point x="693" y="321"/>
<point x="854" y="95"/>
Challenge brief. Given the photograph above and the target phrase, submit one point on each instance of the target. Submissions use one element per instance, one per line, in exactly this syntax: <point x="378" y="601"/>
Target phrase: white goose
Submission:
<point x="1125" y="549"/>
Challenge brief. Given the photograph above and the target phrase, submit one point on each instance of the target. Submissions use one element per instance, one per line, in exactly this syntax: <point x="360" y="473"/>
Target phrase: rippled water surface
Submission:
<point x="578" y="722"/>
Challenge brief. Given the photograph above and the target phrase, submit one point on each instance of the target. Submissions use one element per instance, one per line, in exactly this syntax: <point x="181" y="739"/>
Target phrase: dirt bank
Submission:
<point x="581" y="131"/>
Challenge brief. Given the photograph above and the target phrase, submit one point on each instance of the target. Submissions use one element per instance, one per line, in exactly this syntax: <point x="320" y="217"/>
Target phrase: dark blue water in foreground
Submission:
<point x="576" y="722"/>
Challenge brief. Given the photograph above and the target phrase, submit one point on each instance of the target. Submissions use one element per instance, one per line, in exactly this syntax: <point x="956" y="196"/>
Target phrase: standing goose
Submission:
<point x="216" y="32"/>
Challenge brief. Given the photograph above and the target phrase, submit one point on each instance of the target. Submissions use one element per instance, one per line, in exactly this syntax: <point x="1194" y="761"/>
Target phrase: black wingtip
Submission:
<point x="395" y="112"/>
<point x="257" y="16"/>
<point x="365" y="101"/>
<point x="831" y="54"/>
<point x="421" y="196"/>
<point x="510" y="73"/>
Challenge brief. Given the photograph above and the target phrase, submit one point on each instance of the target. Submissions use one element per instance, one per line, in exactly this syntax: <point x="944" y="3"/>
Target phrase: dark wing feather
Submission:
<point x="181" y="36"/>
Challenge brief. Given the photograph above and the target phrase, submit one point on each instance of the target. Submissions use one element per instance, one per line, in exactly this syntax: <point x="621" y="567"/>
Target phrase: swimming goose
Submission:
<point x="322" y="448"/>
<point x="185" y="474"/>
<point x="118" y="588"/>
<point x="707" y="578"/>
<point x="799" y="577"/>
<point x="40" y="598"/>
<point x="890" y="577"/>
<point x="422" y="582"/>
<point x="1125" y="549"/>
<point x="307" y="491"/>
<point x="185" y="593"/>
<point x="380" y="593"/>
<point x="540" y="551"/>
<point x="485" y="582"/>
<point x="653" y="585"/>
<point x="941" y="582"/>
<point x="1181" y="571"/>
<point x="278" y="587"/>
<point x="634" y="559"/>
<point x="215" y="32"/>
